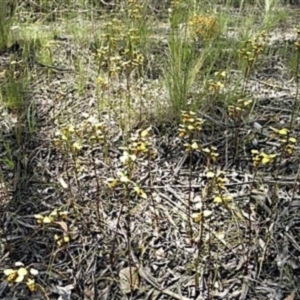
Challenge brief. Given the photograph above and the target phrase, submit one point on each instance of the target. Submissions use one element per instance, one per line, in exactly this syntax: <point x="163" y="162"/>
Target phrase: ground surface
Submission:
<point x="233" y="264"/>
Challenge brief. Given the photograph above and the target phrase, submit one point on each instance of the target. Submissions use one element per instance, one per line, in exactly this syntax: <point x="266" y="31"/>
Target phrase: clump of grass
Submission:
<point x="6" y="17"/>
<point x="296" y="59"/>
<point x="14" y="86"/>
<point x="184" y="61"/>
<point x="13" y="98"/>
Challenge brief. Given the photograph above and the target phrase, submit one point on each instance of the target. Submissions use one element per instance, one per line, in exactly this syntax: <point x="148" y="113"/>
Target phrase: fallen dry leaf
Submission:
<point x="63" y="225"/>
<point x="62" y="182"/>
<point x="290" y="297"/>
<point x="129" y="279"/>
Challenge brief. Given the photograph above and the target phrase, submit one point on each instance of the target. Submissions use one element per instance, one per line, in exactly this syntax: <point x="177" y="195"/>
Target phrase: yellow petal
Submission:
<point x="283" y="131"/>
<point x="132" y="157"/>
<point x="76" y="146"/>
<point x="223" y="74"/>
<point x="22" y="272"/>
<point x="63" y="213"/>
<point x="220" y="84"/>
<point x="112" y="183"/>
<point x="220" y="235"/>
<point x="124" y="178"/>
<point x="33" y="271"/>
<point x="140" y="192"/>
<point x="247" y="102"/>
<point x="38" y="217"/>
<point x="207" y="213"/>
<point x="292" y="140"/>
<point x="54" y="213"/>
<point x="124" y="157"/>
<point x="145" y="132"/>
<point x="20" y="278"/>
<point x="265" y="160"/>
<point x="207" y="150"/>
<point x="227" y="198"/>
<point x="142" y="147"/>
<point x="8" y="272"/>
<point x="218" y="199"/>
<point x="31" y="284"/>
<point x="47" y="220"/>
<point x="181" y="134"/>
<point x="210" y="174"/>
<point x="195" y="146"/>
<point x="143" y="195"/>
<point x="29" y="281"/>
<point x="71" y="128"/>
<point x="263" y="154"/>
<point x="197" y="217"/>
